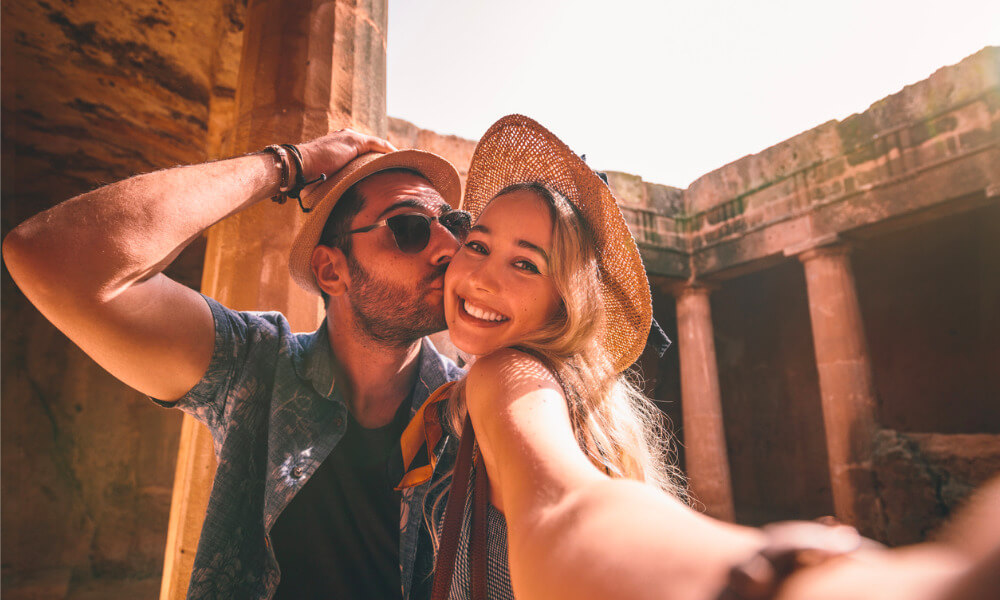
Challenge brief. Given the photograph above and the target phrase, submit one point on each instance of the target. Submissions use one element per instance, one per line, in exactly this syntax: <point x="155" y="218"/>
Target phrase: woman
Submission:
<point x="550" y="294"/>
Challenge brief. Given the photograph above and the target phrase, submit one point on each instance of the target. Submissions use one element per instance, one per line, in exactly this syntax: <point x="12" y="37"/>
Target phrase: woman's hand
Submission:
<point x="922" y="572"/>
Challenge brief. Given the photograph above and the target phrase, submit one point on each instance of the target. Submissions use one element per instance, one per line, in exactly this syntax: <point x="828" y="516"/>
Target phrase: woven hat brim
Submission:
<point x="441" y="174"/>
<point x="517" y="149"/>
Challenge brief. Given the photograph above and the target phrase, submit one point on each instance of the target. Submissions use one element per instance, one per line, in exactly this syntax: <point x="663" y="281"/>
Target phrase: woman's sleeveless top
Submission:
<point x="497" y="571"/>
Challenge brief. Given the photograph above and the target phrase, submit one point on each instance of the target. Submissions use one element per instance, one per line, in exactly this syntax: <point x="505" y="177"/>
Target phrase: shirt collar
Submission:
<point x="432" y="373"/>
<point x="314" y="362"/>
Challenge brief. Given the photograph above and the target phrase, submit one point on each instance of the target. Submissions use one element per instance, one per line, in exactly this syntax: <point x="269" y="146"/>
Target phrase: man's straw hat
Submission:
<point x="439" y="172"/>
<point x="516" y="149"/>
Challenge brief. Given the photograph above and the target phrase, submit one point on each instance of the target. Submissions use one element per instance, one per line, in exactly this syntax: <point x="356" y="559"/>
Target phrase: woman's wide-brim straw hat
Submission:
<point x="441" y="174"/>
<point x="517" y="149"/>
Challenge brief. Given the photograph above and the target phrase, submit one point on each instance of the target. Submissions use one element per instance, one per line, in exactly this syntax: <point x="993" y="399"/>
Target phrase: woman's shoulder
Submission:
<point x="510" y="372"/>
<point x="507" y="362"/>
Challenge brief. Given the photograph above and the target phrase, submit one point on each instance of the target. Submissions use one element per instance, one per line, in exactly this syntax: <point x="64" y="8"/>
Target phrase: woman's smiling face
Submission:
<point x="498" y="289"/>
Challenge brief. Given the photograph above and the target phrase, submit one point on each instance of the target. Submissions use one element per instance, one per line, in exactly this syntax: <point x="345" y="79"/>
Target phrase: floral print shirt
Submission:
<point x="275" y="412"/>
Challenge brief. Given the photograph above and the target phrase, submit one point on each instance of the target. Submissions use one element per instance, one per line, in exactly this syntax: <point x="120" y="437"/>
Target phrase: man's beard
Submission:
<point x="389" y="313"/>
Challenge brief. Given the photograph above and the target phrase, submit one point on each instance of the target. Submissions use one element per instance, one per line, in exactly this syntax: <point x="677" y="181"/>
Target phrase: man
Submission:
<point x="305" y="425"/>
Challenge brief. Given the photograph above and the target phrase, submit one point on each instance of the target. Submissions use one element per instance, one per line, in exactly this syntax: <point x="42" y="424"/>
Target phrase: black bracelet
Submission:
<point x="286" y="155"/>
<point x="295" y="191"/>
<point x="281" y="153"/>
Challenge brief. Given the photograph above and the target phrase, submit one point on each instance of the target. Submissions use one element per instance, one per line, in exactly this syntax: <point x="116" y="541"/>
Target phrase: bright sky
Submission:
<point x="665" y="89"/>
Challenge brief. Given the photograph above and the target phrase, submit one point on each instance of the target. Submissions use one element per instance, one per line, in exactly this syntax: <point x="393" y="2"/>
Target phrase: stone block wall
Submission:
<point x="655" y="214"/>
<point x="457" y="150"/>
<point x="932" y="142"/>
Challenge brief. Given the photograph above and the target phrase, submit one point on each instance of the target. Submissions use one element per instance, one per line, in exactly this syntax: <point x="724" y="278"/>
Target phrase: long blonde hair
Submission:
<point x="618" y="428"/>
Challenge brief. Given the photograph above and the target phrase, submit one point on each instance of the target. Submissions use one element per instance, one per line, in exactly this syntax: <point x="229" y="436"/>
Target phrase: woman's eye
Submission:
<point x="525" y="265"/>
<point x="476" y="247"/>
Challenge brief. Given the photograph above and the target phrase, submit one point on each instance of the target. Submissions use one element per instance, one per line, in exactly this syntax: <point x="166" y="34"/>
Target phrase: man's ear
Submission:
<point x="329" y="267"/>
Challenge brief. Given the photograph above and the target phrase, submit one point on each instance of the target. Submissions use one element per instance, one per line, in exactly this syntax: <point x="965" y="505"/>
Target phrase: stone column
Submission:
<point x="846" y="385"/>
<point x="308" y="67"/>
<point x="707" y="462"/>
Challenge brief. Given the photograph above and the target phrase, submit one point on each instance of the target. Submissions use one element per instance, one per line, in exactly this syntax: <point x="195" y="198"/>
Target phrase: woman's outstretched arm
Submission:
<point x="573" y="531"/>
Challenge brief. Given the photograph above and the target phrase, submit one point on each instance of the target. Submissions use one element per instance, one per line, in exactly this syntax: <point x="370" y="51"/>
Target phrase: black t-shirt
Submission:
<point x="339" y="536"/>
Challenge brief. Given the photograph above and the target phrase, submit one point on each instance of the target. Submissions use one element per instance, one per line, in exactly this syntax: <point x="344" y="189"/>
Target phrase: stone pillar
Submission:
<point x="846" y="385"/>
<point x="707" y="461"/>
<point x="308" y="67"/>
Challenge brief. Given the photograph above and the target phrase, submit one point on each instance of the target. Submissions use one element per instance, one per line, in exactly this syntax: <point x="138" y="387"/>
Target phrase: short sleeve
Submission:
<point x="207" y="400"/>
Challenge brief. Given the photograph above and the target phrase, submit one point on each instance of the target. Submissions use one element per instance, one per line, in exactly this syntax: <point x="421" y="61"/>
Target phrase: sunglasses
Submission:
<point x="412" y="231"/>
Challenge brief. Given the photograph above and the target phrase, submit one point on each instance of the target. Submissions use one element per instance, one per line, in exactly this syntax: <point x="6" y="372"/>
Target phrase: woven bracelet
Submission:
<point x="300" y="178"/>
<point x="284" y="169"/>
<point x="287" y="155"/>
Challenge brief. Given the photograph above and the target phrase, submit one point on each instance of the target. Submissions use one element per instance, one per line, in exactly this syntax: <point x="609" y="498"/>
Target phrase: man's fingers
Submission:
<point x="365" y="143"/>
<point x="330" y="153"/>
<point x="370" y="143"/>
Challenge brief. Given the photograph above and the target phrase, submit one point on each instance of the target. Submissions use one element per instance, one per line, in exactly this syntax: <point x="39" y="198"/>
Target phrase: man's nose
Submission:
<point x="443" y="244"/>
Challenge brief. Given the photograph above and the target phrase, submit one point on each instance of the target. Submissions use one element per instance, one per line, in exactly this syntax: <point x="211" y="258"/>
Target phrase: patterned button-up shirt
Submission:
<point x="270" y="401"/>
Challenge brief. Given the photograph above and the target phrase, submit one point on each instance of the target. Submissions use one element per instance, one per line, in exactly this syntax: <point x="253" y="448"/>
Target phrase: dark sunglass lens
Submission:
<point x="458" y="223"/>
<point x="412" y="232"/>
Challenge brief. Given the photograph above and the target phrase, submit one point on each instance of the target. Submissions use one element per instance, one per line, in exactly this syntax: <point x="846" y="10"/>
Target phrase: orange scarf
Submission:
<point x="420" y="438"/>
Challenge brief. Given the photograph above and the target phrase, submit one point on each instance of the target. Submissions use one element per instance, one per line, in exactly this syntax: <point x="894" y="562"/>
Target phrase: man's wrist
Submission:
<point x="291" y="173"/>
<point x="286" y="168"/>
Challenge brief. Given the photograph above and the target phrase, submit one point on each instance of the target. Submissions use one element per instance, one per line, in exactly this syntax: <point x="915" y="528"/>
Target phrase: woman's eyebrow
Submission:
<point x="521" y="243"/>
<point x="530" y="246"/>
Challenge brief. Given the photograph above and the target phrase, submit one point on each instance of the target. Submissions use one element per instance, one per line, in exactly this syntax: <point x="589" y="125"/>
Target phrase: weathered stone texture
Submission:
<point x="92" y="91"/>
<point x="928" y="296"/>
<point x="655" y="215"/>
<point x="929" y="144"/>
<point x="104" y="89"/>
<point x="846" y="384"/>
<point x="633" y="192"/>
<point x="924" y="477"/>
<point x="825" y="181"/>
<point x="457" y="150"/>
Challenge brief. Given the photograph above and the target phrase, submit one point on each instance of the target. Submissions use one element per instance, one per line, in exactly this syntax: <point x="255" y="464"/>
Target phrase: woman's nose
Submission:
<point x="483" y="276"/>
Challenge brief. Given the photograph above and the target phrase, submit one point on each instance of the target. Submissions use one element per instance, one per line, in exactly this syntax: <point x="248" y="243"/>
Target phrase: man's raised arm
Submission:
<point x="93" y="264"/>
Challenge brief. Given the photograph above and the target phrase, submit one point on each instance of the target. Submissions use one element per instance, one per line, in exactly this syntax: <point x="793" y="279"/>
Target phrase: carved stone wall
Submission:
<point x="95" y="91"/>
<point x="935" y="145"/>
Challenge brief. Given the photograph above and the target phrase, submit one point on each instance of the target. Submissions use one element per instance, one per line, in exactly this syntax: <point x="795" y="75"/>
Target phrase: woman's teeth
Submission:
<point x="482" y="313"/>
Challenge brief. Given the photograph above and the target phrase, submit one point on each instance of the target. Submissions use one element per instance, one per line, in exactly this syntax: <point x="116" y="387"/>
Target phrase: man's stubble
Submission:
<point x="389" y="313"/>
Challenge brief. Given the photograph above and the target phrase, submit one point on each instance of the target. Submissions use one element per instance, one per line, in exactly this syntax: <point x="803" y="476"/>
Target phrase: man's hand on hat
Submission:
<point x="328" y="154"/>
